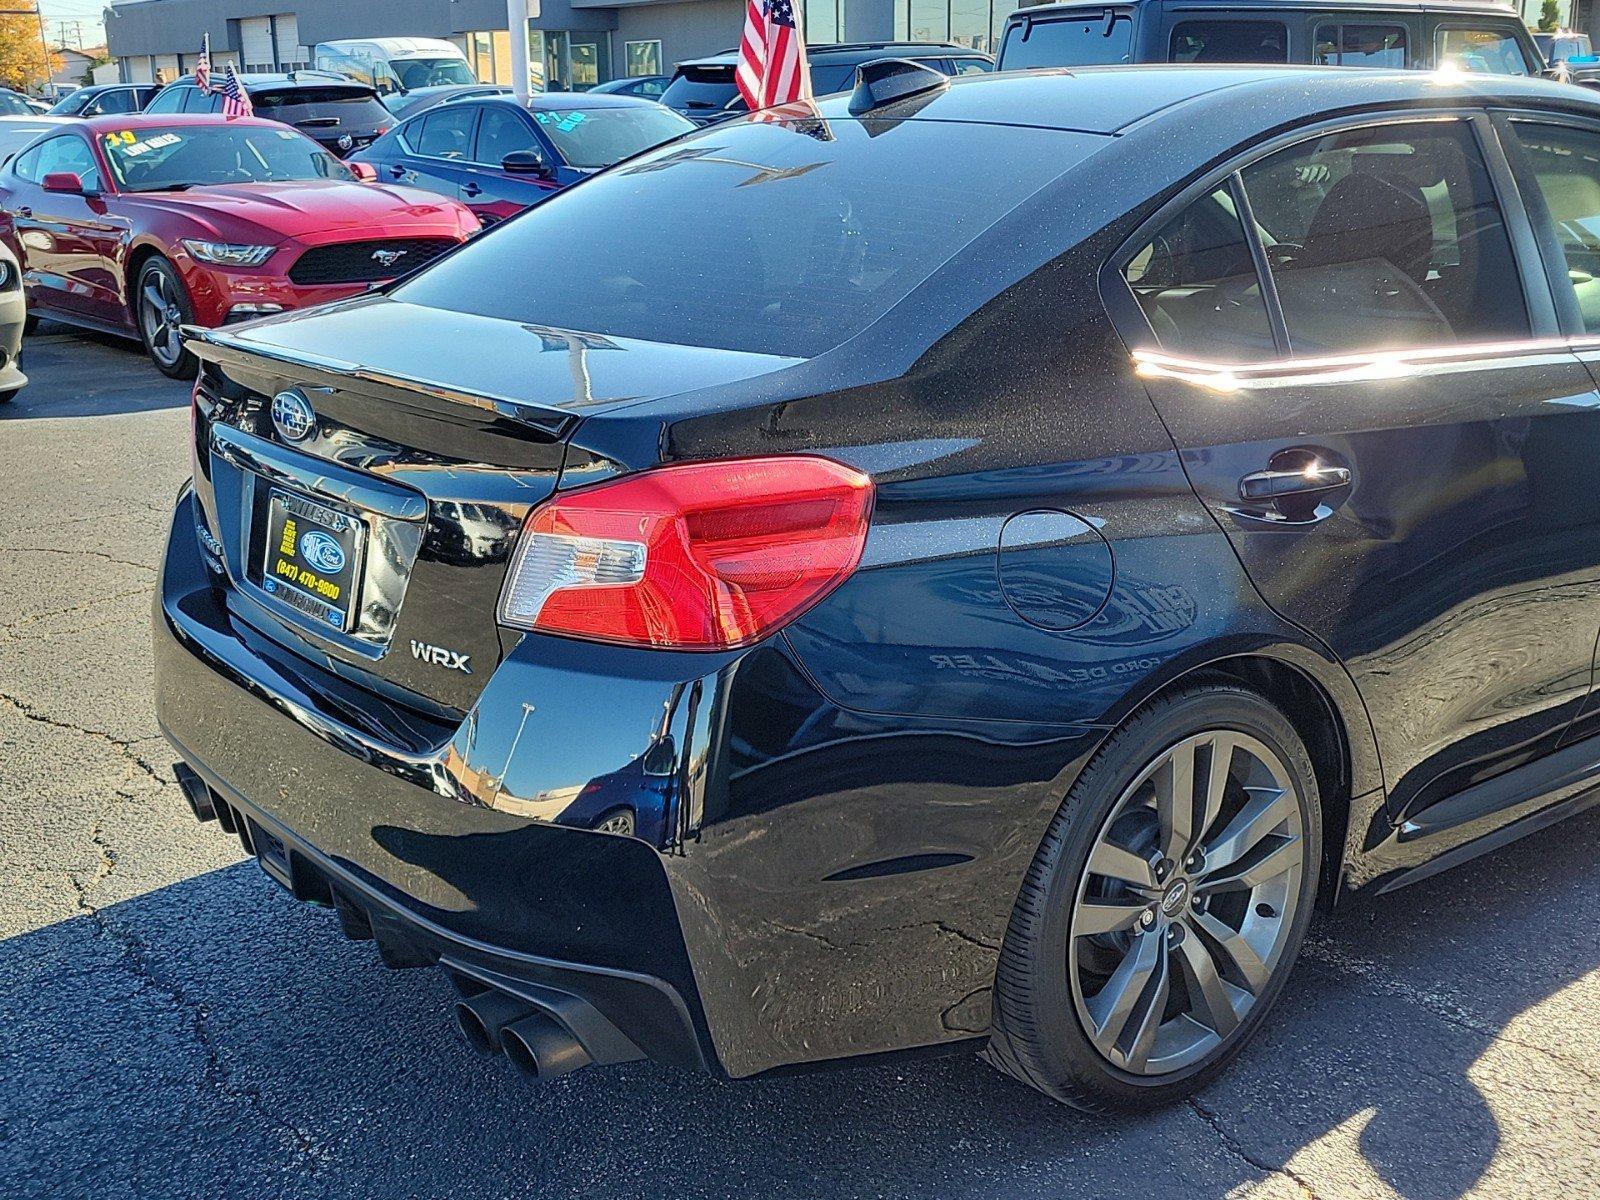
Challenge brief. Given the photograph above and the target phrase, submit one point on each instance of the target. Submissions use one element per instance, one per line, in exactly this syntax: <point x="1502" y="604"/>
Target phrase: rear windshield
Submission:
<point x="314" y="107"/>
<point x="772" y="237"/>
<point x="700" y="88"/>
<point x="1091" y="39"/>
<point x="598" y="137"/>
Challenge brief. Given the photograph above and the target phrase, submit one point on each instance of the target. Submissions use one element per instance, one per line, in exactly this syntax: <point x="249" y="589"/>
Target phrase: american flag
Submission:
<point x="772" y="56"/>
<point x="202" y="69"/>
<point x="235" y="100"/>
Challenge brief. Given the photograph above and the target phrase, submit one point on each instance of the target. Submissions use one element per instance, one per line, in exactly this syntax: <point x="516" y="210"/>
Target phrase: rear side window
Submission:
<point x="775" y="237"/>
<point x="1360" y="46"/>
<point x="1229" y="42"/>
<point x="1487" y="51"/>
<point x="27" y="167"/>
<point x="1083" y="41"/>
<point x="1386" y="237"/>
<point x="1197" y="283"/>
<point x="1566" y="166"/>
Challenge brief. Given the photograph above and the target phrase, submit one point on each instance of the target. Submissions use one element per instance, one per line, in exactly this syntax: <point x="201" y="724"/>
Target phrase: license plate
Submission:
<point x="313" y="558"/>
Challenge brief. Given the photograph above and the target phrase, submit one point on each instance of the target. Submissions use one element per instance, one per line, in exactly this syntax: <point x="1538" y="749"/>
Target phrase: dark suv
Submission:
<point x="978" y="563"/>
<point x="703" y="89"/>
<point x="341" y="115"/>
<point x="1471" y="35"/>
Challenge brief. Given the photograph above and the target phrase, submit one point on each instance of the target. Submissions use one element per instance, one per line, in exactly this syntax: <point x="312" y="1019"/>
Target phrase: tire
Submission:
<point x="8" y="396"/>
<point x="1060" y="1024"/>
<point x="160" y="305"/>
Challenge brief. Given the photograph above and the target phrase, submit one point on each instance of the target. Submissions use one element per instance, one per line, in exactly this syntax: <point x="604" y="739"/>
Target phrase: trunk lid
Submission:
<point x="413" y="470"/>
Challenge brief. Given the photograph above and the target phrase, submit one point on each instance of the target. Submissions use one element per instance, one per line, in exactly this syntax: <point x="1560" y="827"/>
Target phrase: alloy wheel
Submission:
<point x="1187" y="902"/>
<point x="161" y="317"/>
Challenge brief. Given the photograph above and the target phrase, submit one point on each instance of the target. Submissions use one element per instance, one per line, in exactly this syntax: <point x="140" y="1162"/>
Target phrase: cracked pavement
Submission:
<point x="173" y="1025"/>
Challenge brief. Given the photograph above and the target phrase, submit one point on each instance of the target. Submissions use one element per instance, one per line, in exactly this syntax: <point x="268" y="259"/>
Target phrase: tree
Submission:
<point x="1549" y="17"/>
<point x="24" y="61"/>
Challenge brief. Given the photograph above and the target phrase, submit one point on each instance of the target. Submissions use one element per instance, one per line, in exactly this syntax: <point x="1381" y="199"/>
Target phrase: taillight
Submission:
<point x="700" y="556"/>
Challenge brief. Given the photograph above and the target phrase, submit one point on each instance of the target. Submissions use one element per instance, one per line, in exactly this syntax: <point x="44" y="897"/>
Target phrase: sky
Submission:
<point x="81" y="17"/>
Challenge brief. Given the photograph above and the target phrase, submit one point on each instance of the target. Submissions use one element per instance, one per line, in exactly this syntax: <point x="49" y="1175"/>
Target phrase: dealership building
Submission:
<point x="576" y="43"/>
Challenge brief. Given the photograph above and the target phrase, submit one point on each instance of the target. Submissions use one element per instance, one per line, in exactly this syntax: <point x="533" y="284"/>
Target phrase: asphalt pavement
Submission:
<point x="173" y="1025"/>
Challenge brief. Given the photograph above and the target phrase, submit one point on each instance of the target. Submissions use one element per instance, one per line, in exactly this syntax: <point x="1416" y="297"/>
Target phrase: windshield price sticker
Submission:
<point x="126" y="143"/>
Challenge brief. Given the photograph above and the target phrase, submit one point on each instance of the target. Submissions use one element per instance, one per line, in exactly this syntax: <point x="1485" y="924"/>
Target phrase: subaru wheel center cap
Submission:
<point x="1172" y="903"/>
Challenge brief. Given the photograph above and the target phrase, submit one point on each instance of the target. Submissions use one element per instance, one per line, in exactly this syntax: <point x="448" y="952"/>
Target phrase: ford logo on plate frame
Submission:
<point x="322" y="552"/>
<point x="292" y="416"/>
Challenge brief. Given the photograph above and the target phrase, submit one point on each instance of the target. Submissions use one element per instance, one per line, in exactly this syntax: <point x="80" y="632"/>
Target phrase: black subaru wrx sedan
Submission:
<point x="977" y="562"/>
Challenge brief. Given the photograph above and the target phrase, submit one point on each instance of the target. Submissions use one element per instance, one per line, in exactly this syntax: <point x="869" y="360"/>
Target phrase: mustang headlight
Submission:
<point x="226" y="254"/>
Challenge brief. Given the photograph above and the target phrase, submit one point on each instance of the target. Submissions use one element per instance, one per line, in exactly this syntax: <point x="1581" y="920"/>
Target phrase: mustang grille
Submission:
<point x="366" y="262"/>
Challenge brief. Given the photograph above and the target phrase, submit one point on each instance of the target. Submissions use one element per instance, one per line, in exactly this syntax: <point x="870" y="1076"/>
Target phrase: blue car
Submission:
<point x="499" y="156"/>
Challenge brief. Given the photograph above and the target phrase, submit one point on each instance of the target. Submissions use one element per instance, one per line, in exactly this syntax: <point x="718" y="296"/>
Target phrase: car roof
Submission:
<point x="264" y="80"/>
<point x="837" y="52"/>
<point x="1440" y="7"/>
<point x="1112" y="99"/>
<point x="137" y="121"/>
<point x="563" y="101"/>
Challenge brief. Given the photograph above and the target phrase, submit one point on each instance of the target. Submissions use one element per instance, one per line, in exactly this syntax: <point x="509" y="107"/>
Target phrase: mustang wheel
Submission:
<point x="163" y="307"/>
<point x="1165" y="907"/>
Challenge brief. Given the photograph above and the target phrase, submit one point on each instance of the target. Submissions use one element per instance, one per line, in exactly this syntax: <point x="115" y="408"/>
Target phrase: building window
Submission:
<point x="969" y="23"/>
<point x="643" y="58"/>
<point x="930" y="20"/>
<point x="824" y="23"/>
<point x="974" y="23"/>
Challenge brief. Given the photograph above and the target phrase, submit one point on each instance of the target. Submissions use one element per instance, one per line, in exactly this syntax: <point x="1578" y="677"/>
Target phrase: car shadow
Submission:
<point x="80" y="373"/>
<point x="212" y="1037"/>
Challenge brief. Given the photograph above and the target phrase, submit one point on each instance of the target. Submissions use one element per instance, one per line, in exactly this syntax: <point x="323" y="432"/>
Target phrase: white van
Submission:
<point x="395" y="64"/>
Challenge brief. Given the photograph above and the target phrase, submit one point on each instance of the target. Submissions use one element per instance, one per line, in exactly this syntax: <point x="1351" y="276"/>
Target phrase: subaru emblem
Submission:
<point x="292" y="416"/>
<point x="346" y="141"/>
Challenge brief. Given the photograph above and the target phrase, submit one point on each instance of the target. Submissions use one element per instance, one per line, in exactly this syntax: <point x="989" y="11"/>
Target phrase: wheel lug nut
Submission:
<point x="1147" y="918"/>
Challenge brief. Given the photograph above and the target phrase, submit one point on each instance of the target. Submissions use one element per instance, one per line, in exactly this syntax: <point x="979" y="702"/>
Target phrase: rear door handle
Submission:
<point x="24" y="211"/>
<point x="472" y="189"/>
<point x="398" y="172"/>
<point x="1303" y="481"/>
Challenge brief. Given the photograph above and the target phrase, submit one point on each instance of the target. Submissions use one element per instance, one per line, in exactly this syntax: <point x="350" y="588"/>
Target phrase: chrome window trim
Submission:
<point x="1397" y="363"/>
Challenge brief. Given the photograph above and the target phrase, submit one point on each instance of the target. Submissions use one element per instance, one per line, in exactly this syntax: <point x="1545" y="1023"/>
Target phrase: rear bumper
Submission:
<point x="807" y="882"/>
<point x="488" y="894"/>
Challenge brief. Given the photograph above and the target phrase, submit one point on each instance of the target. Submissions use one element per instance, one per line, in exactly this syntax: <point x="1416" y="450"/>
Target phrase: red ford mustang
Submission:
<point x="137" y="225"/>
